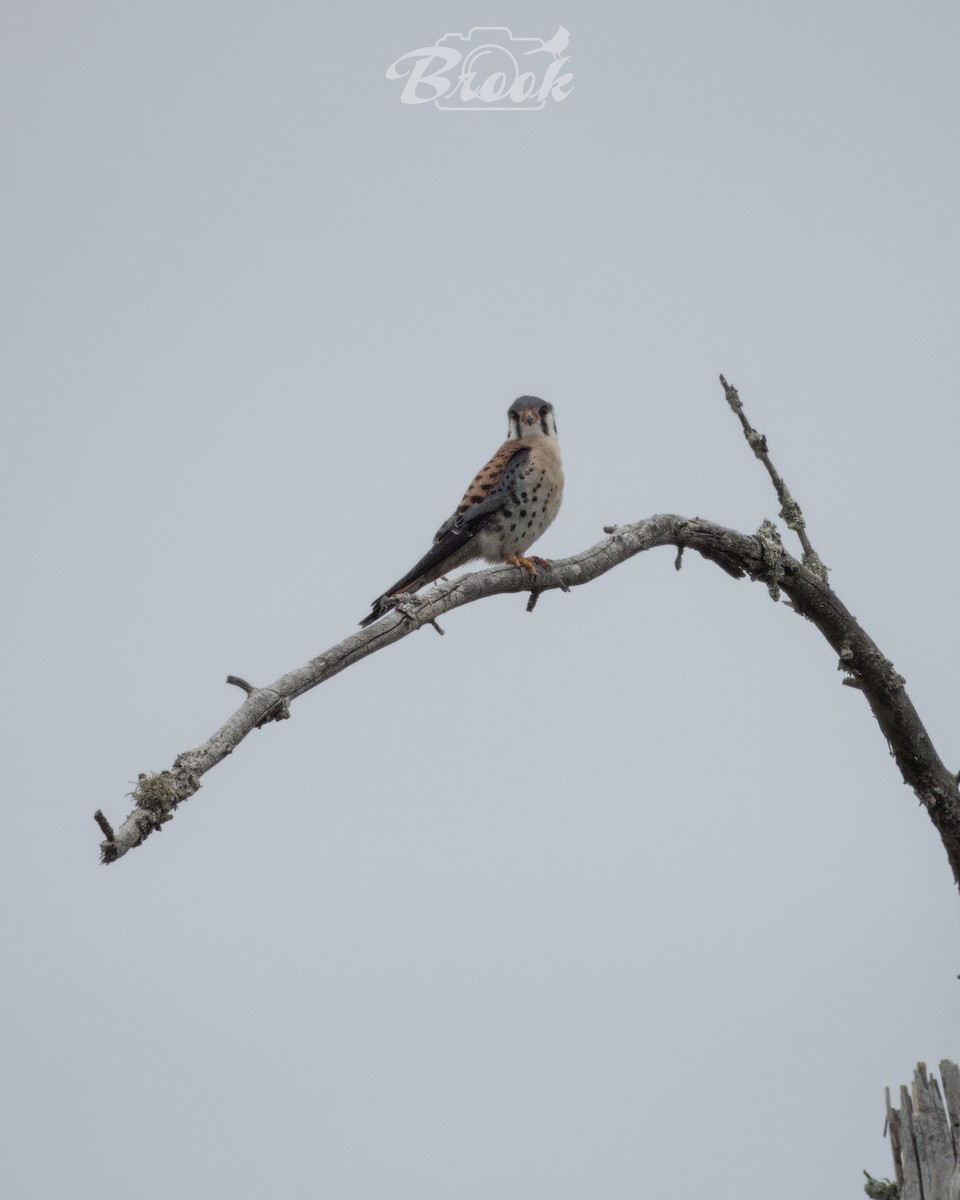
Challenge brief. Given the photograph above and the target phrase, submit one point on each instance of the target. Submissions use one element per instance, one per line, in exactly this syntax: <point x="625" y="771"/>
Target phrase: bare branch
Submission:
<point x="761" y="557"/>
<point x="789" y="508"/>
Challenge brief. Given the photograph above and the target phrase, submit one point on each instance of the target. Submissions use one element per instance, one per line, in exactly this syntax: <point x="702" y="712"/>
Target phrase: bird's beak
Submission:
<point x="530" y="416"/>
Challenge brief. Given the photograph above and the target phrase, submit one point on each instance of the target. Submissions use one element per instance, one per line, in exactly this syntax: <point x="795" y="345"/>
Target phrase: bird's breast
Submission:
<point x="531" y="506"/>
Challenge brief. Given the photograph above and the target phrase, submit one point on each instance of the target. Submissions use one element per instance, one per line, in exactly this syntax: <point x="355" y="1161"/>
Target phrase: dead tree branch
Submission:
<point x="760" y="556"/>
<point x="789" y="509"/>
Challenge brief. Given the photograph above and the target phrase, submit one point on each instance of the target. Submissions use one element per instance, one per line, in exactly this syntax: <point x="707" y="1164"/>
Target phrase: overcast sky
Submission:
<point x="622" y="898"/>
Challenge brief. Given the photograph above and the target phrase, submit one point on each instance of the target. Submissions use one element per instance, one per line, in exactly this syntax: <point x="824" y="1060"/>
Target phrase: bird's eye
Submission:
<point x="544" y="410"/>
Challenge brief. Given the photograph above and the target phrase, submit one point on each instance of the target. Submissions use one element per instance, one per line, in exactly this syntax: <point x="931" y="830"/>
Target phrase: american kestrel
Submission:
<point x="509" y="504"/>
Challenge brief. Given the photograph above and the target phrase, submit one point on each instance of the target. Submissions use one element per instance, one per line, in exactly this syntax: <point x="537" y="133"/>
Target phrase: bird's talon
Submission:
<point x="528" y="564"/>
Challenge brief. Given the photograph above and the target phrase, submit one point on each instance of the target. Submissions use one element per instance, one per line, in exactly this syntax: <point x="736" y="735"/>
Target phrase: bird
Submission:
<point x="556" y="45"/>
<point x="509" y="504"/>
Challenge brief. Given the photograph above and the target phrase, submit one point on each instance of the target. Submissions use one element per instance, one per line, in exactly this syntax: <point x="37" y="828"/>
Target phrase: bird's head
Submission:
<point x="531" y="417"/>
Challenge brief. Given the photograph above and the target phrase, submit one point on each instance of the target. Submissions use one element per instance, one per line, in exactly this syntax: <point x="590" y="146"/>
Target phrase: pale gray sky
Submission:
<point x="624" y="898"/>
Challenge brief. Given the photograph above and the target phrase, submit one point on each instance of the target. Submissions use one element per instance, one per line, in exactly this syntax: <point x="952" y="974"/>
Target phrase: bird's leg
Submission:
<point x="529" y="564"/>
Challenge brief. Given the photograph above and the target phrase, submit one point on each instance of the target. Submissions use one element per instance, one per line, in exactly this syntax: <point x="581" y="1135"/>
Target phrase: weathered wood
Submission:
<point x="924" y="1136"/>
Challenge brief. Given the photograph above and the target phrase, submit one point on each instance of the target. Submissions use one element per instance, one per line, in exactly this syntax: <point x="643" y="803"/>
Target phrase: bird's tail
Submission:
<point x="451" y="549"/>
<point x="429" y="568"/>
<point x="380" y="607"/>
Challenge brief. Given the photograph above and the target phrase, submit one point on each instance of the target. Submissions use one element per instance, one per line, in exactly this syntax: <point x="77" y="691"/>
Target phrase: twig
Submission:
<point x="105" y="827"/>
<point x="158" y="795"/>
<point x="281" y="707"/>
<point x="789" y="508"/>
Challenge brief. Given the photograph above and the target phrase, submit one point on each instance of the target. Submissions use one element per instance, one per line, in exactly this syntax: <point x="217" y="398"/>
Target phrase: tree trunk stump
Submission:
<point x="925" y="1138"/>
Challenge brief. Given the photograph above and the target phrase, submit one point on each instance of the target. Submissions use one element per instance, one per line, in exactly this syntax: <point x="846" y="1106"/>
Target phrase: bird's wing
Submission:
<point x="485" y="496"/>
<point x="487" y="493"/>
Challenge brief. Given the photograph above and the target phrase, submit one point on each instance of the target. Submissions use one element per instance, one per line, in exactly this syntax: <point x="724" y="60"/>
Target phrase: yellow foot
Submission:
<point x="529" y="564"/>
